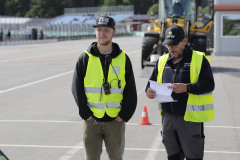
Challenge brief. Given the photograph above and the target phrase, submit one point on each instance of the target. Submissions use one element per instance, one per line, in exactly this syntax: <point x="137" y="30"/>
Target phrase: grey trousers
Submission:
<point x="180" y="136"/>
<point x="113" y="135"/>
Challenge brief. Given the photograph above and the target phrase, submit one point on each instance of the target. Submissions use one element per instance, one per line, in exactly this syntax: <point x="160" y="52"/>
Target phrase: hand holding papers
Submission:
<point x="163" y="93"/>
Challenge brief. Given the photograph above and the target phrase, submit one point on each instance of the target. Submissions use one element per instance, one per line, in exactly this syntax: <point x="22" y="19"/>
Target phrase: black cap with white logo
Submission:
<point x="173" y="35"/>
<point x="105" y="21"/>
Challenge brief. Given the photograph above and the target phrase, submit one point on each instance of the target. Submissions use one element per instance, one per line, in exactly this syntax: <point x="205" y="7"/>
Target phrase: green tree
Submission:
<point x="10" y="4"/>
<point x="126" y="2"/>
<point x="153" y="9"/>
<point x="110" y="3"/>
<point x="116" y="2"/>
<point x="2" y="7"/>
<point x="141" y="6"/>
<point x="67" y="3"/>
<point x="81" y="3"/>
<point x="16" y="7"/>
<point x="45" y="9"/>
<point x="53" y="8"/>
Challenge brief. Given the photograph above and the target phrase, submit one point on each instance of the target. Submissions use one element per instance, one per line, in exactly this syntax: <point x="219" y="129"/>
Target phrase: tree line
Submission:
<point x="53" y="8"/>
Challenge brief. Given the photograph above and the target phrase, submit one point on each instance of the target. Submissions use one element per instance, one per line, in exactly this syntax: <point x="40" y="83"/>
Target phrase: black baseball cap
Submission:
<point x="105" y="21"/>
<point x="173" y="35"/>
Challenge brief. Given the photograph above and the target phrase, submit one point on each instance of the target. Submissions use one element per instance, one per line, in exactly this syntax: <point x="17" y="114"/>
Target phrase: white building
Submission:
<point x="227" y="27"/>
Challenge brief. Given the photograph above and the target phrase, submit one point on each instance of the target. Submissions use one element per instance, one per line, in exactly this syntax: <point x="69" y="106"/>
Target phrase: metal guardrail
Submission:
<point x="28" y="29"/>
<point x="32" y="31"/>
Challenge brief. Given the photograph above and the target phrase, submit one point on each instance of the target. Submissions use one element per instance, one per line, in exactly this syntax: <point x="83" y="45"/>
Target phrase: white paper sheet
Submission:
<point x="163" y="93"/>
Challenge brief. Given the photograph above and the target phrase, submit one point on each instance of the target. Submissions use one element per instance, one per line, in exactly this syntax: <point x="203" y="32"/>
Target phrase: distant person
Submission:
<point x="34" y="33"/>
<point x="104" y="89"/>
<point x="132" y="30"/>
<point x="41" y="34"/>
<point x="9" y="35"/>
<point x="29" y="34"/>
<point x="1" y="34"/>
<point x="192" y="83"/>
<point x="178" y="10"/>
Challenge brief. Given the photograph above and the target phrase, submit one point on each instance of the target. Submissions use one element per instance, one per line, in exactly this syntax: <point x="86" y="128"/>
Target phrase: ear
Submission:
<point x="114" y="31"/>
<point x="185" y="40"/>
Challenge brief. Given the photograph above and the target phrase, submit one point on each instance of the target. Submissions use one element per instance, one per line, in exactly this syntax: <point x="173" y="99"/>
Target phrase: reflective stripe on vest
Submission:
<point x="96" y="105"/>
<point x="98" y="102"/>
<point x="199" y="107"/>
<point x="107" y="105"/>
<point x="98" y="90"/>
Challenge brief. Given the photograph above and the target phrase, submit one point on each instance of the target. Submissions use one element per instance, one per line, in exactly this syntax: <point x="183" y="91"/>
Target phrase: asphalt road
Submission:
<point x="39" y="118"/>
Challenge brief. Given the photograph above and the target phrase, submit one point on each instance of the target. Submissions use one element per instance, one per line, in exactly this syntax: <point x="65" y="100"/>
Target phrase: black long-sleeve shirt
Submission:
<point x="129" y="101"/>
<point x="180" y="73"/>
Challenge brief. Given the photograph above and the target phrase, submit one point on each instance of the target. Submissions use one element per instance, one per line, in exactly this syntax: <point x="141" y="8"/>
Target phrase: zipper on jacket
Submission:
<point x="105" y="70"/>
<point x="173" y="79"/>
<point x="104" y="77"/>
<point x="174" y="75"/>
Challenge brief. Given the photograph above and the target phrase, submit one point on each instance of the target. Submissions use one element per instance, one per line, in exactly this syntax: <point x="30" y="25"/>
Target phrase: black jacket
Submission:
<point x="129" y="101"/>
<point x="205" y="83"/>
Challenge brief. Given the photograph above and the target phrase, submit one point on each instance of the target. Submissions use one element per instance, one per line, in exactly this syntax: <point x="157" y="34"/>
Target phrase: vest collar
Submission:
<point x="187" y="53"/>
<point x="92" y="49"/>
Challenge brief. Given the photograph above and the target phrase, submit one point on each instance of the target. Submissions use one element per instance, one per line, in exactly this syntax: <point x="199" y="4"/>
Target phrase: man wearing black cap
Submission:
<point x="104" y="89"/>
<point x="192" y="81"/>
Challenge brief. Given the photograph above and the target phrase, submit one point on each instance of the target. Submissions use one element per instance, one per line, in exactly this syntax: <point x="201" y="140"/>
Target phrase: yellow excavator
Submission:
<point x="194" y="16"/>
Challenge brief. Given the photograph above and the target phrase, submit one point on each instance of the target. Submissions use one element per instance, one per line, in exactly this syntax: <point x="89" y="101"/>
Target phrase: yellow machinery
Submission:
<point x="194" y="16"/>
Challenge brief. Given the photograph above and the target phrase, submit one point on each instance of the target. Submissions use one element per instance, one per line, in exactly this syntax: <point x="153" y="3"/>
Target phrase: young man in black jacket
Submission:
<point x="183" y="135"/>
<point x="105" y="92"/>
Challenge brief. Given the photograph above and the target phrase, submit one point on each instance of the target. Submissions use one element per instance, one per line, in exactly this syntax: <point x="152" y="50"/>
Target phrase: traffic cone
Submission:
<point x="144" y="119"/>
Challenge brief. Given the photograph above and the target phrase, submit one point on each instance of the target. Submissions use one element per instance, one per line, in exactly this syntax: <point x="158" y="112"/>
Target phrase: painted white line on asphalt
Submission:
<point x="39" y="56"/>
<point x="35" y="82"/>
<point x="53" y="54"/>
<point x="80" y="147"/>
<point x="157" y="141"/>
<point x="40" y="121"/>
<point x="39" y="146"/>
<point x="70" y="153"/>
<point x="79" y="122"/>
<point x="225" y="127"/>
<point x="223" y="152"/>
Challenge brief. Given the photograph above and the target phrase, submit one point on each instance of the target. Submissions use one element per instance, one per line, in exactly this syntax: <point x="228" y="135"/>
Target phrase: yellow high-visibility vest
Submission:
<point x="199" y="107"/>
<point x="98" y="102"/>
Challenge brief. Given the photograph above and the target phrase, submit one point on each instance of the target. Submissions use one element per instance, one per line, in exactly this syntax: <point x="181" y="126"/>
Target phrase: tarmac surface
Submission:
<point x="39" y="118"/>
